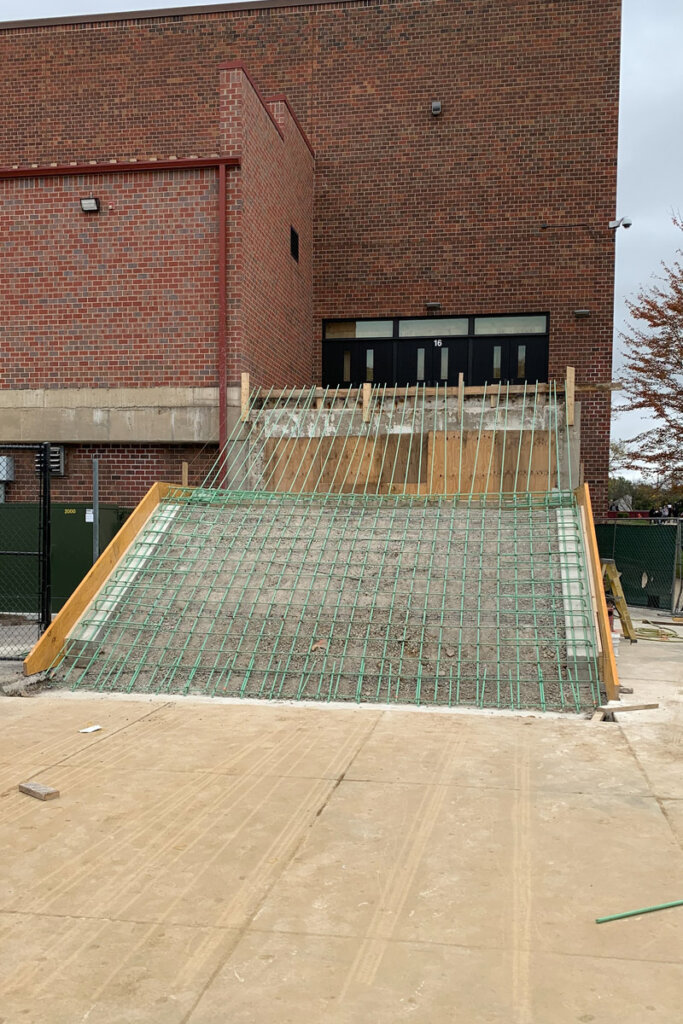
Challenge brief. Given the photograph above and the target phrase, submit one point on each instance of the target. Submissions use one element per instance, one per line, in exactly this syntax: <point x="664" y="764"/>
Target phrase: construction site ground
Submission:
<point x="211" y="861"/>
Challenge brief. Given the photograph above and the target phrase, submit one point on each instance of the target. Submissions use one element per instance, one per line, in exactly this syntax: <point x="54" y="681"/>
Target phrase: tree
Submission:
<point x="653" y="379"/>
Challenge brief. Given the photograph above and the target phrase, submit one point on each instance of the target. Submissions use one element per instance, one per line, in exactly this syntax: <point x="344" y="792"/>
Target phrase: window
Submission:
<point x="359" y="329"/>
<point x="294" y="244"/>
<point x="510" y="324"/>
<point x="433" y="327"/>
<point x="521" y="360"/>
<point x="497" y="357"/>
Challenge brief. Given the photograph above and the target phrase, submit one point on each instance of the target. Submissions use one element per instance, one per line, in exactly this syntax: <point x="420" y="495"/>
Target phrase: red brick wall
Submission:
<point x="124" y="297"/>
<point x="270" y="300"/>
<point x="408" y="208"/>
<point x="126" y="472"/>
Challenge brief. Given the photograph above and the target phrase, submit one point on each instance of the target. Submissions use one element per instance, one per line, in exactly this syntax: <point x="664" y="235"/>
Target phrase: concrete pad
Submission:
<point x="406" y="748"/>
<point x="158" y="742"/>
<point x="69" y="969"/>
<point x="269" y="863"/>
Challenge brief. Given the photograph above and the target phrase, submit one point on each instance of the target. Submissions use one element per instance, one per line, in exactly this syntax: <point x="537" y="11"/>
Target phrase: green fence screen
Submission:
<point x="647" y="556"/>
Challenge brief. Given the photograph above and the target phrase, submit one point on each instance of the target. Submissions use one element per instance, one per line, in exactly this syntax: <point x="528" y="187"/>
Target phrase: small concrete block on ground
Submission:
<point x="38" y="790"/>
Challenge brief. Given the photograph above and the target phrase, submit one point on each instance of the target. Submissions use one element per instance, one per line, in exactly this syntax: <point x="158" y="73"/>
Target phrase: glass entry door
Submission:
<point x="509" y="360"/>
<point x="430" y="360"/>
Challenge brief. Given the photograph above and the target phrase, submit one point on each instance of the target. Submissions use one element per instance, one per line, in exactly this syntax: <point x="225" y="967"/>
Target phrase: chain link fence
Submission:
<point x="647" y="553"/>
<point x="24" y="548"/>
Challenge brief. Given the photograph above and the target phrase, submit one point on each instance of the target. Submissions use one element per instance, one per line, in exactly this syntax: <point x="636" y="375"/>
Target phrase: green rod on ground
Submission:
<point x="637" y="913"/>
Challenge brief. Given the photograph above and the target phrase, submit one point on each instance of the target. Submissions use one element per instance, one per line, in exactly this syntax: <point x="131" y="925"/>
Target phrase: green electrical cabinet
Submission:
<point x="72" y="544"/>
<point x="71" y="554"/>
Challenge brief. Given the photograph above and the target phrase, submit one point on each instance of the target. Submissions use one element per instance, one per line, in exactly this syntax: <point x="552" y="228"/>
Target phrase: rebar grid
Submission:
<point x="337" y="565"/>
<point x="418" y="600"/>
<point x="338" y="440"/>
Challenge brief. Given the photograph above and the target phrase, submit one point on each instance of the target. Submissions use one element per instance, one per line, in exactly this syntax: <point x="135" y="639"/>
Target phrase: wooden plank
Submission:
<point x="352" y="465"/>
<point x="618" y="706"/>
<point x="185" y="474"/>
<point x="38" y="790"/>
<point x="461" y="395"/>
<point x="609" y="666"/>
<point x="49" y="649"/>
<point x="598" y="716"/>
<point x="570" y="387"/>
<point x="244" y="398"/>
<point x="301" y="464"/>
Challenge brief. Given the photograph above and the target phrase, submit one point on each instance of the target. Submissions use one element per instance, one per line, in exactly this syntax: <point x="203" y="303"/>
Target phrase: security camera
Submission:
<point x="623" y="222"/>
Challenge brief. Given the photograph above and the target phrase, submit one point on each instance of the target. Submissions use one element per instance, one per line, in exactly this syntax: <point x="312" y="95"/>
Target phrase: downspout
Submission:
<point x="222" y="316"/>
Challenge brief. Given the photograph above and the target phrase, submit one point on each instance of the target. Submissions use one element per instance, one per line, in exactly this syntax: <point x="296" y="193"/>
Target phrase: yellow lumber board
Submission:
<point x="570" y="388"/>
<point x="49" y="648"/>
<point x="610" y="674"/>
<point x="244" y="397"/>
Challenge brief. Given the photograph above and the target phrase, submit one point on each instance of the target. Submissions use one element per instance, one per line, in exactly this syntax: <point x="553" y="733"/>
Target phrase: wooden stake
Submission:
<point x="185" y="477"/>
<point x="570" y="388"/>
<point x="367" y="389"/>
<point x="244" y="398"/>
<point x="461" y="395"/>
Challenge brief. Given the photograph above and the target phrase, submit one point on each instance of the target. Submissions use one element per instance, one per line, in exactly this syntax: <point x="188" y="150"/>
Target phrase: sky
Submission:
<point x="650" y="178"/>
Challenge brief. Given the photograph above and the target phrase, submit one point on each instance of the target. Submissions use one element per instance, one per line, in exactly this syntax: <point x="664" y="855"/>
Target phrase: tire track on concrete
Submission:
<point x="382" y="926"/>
<point x="278" y="854"/>
<point x="166" y="829"/>
<point x="249" y="782"/>
<point x="522" y="1012"/>
<point x="52" y="756"/>
<point x="75" y="931"/>
<point x="168" y="808"/>
<point x="79" y="771"/>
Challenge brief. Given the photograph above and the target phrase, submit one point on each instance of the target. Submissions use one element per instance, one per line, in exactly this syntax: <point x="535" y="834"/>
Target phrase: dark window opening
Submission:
<point x="294" y="243"/>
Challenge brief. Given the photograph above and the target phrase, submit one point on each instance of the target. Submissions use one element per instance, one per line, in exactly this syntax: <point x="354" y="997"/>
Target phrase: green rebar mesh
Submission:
<point x="373" y="592"/>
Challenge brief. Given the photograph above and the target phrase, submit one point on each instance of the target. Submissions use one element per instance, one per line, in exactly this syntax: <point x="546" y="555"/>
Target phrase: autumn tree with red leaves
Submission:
<point x="653" y="378"/>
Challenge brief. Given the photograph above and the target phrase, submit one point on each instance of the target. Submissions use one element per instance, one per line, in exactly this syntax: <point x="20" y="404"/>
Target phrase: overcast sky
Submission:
<point x="650" y="133"/>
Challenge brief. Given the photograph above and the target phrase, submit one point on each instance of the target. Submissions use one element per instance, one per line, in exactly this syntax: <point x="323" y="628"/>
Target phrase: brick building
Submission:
<point x="393" y="190"/>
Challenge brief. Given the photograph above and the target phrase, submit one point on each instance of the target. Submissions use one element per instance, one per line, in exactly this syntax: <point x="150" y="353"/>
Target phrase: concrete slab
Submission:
<point x="270" y="863"/>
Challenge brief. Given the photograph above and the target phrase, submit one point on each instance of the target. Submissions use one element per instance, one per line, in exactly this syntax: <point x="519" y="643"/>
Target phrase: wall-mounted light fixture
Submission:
<point x="581" y="314"/>
<point x="436" y="108"/>
<point x="432" y="307"/>
<point x="90" y="204"/>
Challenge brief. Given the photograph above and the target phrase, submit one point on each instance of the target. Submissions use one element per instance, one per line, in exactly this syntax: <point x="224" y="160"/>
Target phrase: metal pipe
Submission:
<point x="95" y="510"/>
